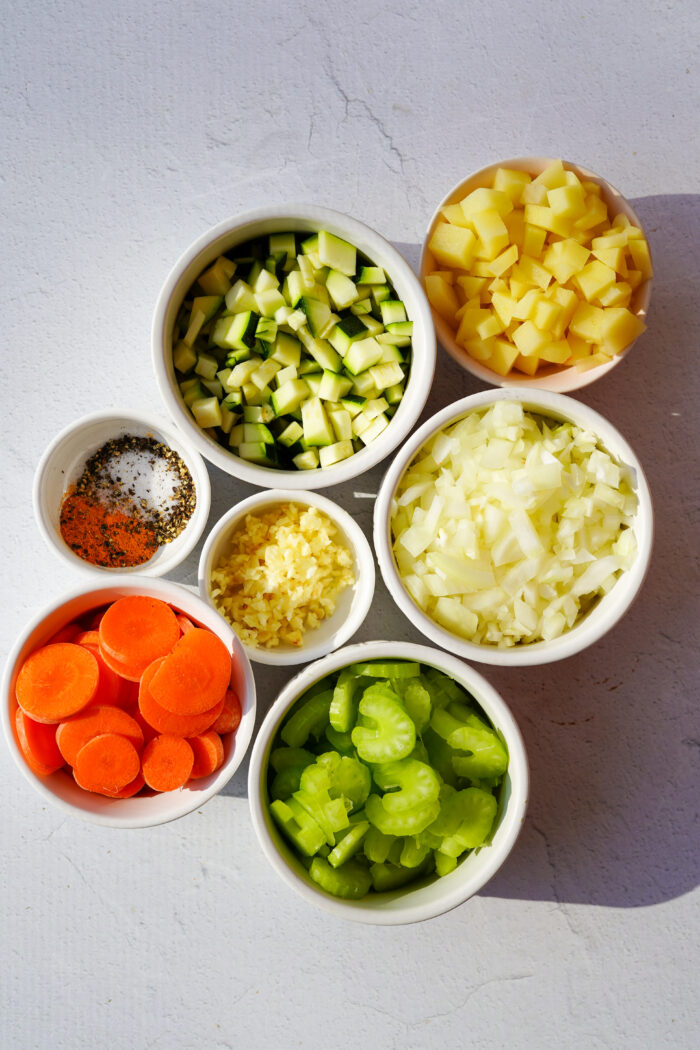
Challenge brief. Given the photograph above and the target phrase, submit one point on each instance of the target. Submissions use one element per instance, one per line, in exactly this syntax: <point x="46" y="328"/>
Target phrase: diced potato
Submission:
<point x="492" y="326"/>
<point x="530" y="270"/>
<point x="526" y="306"/>
<point x="546" y="314"/>
<point x="512" y="182"/>
<point x="639" y="250"/>
<point x="579" y="348"/>
<point x="484" y="199"/>
<point x="481" y="268"/>
<point x="594" y="279"/>
<point x="567" y="202"/>
<point x="533" y="240"/>
<point x="595" y="213"/>
<point x="587" y="322"/>
<point x="454" y="214"/>
<point x="529" y="339"/>
<point x="618" y="295"/>
<point x="597" y="358"/>
<point x="565" y="258"/>
<point x="502" y="356"/>
<point x="556" y="352"/>
<point x="452" y="245"/>
<point x="504" y="305"/>
<point x="515" y="224"/>
<point x="619" y="327"/>
<point x="540" y="215"/>
<point x="504" y="261"/>
<point x="491" y="230"/>
<point x="528" y="365"/>
<point x="479" y="349"/>
<point x="441" y="296"/>
<point x="472" y="286"/>
<point x="552" y="176"/>
<point x="634" y="278"/>
<point x="612" y="257"/>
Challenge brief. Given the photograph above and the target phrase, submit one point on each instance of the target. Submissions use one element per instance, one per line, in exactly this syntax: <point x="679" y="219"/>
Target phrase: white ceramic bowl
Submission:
<point x="303" y="218"/>
<point x="353" y="603"/>
<point x="62" y="464"/>
<point x="140" y="811"/>
<point x="559" y="378"/>
<point x="603" y="615"/>
<point x="432" y="896"/>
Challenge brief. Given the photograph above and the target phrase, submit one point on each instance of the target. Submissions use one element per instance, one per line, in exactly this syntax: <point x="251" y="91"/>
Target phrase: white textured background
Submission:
<point x="127" y="129"/>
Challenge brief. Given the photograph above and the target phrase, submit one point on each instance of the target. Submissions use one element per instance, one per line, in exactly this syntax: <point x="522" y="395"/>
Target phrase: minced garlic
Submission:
<point x="282" y="575"/>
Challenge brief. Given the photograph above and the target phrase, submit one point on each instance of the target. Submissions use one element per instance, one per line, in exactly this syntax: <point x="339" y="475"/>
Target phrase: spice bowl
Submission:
<point x="303" y="220"/>
<point x="144" y="809"/>
<point x="65" y="459"/>
<point x="353" y="602"/>
<point x="432" y="895"/>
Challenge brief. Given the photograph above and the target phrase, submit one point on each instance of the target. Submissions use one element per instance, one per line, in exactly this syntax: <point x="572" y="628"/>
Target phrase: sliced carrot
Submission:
<point x="129" y="698"/>
<point x="57" y="681"/>
<point x="73" y="734"/>
<point x="135" y="631"/>
<point x="184" y="622"/>
<point x="195" y="676"/>
<point x="130" y="790"/>
<point x="37" y="742"/>
<point x="111" y="686"/>
<point x="128" y="674"/>
<point x="148" y="731"/>
<point x="93" y="619"/>
<point x="165" y="721"/>
<point x="107" y="763"/>
<point x="90" y="638"/>
<point x="230" y="718"/>
<point x="167" y="762"/>
<point x="208" y="754"/>
<point x="66" y="634"/>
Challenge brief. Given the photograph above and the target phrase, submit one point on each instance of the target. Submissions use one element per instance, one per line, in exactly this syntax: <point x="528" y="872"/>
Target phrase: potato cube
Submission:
<point x="618" y="295"/>
<point x="619" y="327"/>
<point x="481" y="267"/>
<point x="492" y="326"/>
<point x="539" y="215"/>
<point x="512" y="182"/>
<point x="534" y="193"/>
<point x="568" y="300"/>
<point x="634" y="278"/>
<point x="491" y="230"/>
<point x="484" y="199"/>
<point x="452" y="245"/>
<point x="447" y="275"/>
<point x="502" y="356"/>
<point x="610" y="239"/>
<point x="518" y="287"/>
<point x="454" y="214"/>
<point x="528" y="365"/>
<point x="525" y="307"/>
<point x="587" y="322"/>
<point x="592" y="187"/>
<point x="472" y="286"/>
<point x="441" y="296"/>
<point x="497" y="285"/>
<point x="556" y="352"/>
<point x="595" y="213"/>
<point x="470" y="321"/>
<point x="579" y="348"/>
<point x="641" y="257"/>
<point x="529" y="339"/>
<point x="504" y="261"/>
<point x="594" y="279"/>
<point x="565" y="258"/>
<point x="567" y="202"/>
<point x="515" y="224"/>
<point x="531" y="270"/>
<point x="504" y="305"/>
<point x="546" y="314"/>
<point x="613" y="257"/>
<point x="533" y="240"/>
<point x="552" y="176"/>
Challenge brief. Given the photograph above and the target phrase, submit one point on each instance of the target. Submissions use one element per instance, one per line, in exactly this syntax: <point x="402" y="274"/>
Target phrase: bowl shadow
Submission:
<point x="611" y="733"/>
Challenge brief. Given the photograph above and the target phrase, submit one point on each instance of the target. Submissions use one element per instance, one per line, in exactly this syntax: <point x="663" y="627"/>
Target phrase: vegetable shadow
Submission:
<point x="611" y="734"/>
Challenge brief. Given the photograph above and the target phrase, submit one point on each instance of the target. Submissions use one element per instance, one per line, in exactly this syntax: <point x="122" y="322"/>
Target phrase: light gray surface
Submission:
<point x="129" y="129"/>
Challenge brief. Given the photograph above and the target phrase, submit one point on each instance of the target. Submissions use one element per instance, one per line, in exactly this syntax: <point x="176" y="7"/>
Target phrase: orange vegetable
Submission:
<point x="90" y="638"/>
<point x="167" y="762"/>
<point x="230" y="718"/>
<point x="131" y="789"/>
<point x="57" y="681"/>
<point x="195" y="676"/>
<point x="165" y="721"/>
<point x="184" y="622"/>
<point x="66" y="634"/>
<point x="37" y="742"/>
<point x="134" y="632"/>
<point x="111" y="688"/>
<point x="106" y="764"/>
<point x="208" y="754"/>
<point x="72" y="735"/>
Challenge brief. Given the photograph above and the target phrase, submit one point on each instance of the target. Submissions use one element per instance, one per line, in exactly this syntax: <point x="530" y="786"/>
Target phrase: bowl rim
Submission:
<point x="364" y="560"/>
<point x="512" y="816"/>
<point x="419" y="379"/>
<point x="593" y="626"/>
<point x="174" y="438"/>
<point x="556" y="379"/>
<point x="185" y="599"/>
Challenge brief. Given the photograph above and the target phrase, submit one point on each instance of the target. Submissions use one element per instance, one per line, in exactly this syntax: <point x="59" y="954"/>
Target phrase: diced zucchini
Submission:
<point x="394" y="394"/>
<point x="373" y="326"/>
<point x="287" y="350"/>
<point x="341" y="423"/>
<point x="317" y="428"/>
<point x="283" y="242"/>
<point x="184" y="357"/>
<point x="207" y="412"/>
<point x="207" y="304"/>
<point x="386" y="375"/>
<point x="294" y="287"/>
<point x="390" y="339"/>
<point x="195" y="392"/>
<point x="207" y="366"/>
<point x="335" y="453"/>
<point x="320" y="350"/>
<point x="196" y="322"/>
<point x="313" y="381"/>
<point x="341" y="290"/>
<point x="307" y="271"/>
<point x="256" y="452"/>
<point x="233" y="401"/>
<point x="258" y="413"/>
<point x="285" y="374"/>
<point x="337" y="253"/>
<point x="242" y="372"/>
<point x="376" y="427"/>
<point x="308" y="366"/>
<point x="306" y="460"/>
<point x="392" y="310"/>
<point x="353" y="404"/>
<point x="289" y="396"/>
<point x="236" y="332"/>
<point x="374" y="408"/>
<point x="380" y="292"/>
<point x="364" y="386"/>
<point x="310" y="245"/>
<point x="269" y="301"/>
<point x="217" y="279"/>
<point x="214" y="387"/>
<point x="296" y="319"/>
<point x="265" y="281"/>
<point x="317" y="314"/>
<point x="282" y="315"/>
<point x="265" y="373"/>
<point x="363" y="354"/>
<point x="235" y="356"/>
<point x="362" y="306"/>
<point x="371" y="275"/>
<point x="291" y="434"/>
<point x="240" y="297"/>
<point x="400" y="328"/>
<point x="228" y="418"/>
<point x="334" y="386"/>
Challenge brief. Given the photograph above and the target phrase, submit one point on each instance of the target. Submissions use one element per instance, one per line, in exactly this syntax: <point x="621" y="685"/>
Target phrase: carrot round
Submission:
<point x="134" y="632"/>
<point x="195" y="676"/>
<point x="230" y="718"/>
<point x="72" y="735"/>
<point x="208" y="754"/>
<point x="107" y="763"/>
<point x="129" y="698"/>
<point x="146" y="728"/>
<point x="37" y="742"/>
<point x="90" y="638"/>
<point x="66" y="634"/>
<point x="130" y="790"/>
<point x="184" y="622"/>
<point x="165" y="721"/>
<point x="111" y="687"/>
<point x="57" y="681"/>
<point x="167" y="762"/>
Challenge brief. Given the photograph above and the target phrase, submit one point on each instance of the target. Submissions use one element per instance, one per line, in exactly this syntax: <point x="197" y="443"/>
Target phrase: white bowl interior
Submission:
<point x="552" y="377"/>
<point x="63" y="463"/>
<point x="604" y="614"/>
<point x="353" y="603"/>
<point x="304" y="219"/>
<point x="143" y="810"/>
<point x="433" y="895"/>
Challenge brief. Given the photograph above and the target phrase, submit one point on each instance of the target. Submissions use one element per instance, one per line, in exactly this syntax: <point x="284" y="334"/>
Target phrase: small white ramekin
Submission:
<point x="62" y="463"/>
<point x="353" y="603"/>
<point x="603" y="615"/>
<point x="298" y="218"/>
<point x="559" y="378"/>
<point x="140" y="811"/>
<point x="435" y="895"/>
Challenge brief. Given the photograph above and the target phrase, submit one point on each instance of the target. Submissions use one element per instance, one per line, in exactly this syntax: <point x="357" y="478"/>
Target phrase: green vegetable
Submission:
<point x="384" y="731"/>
